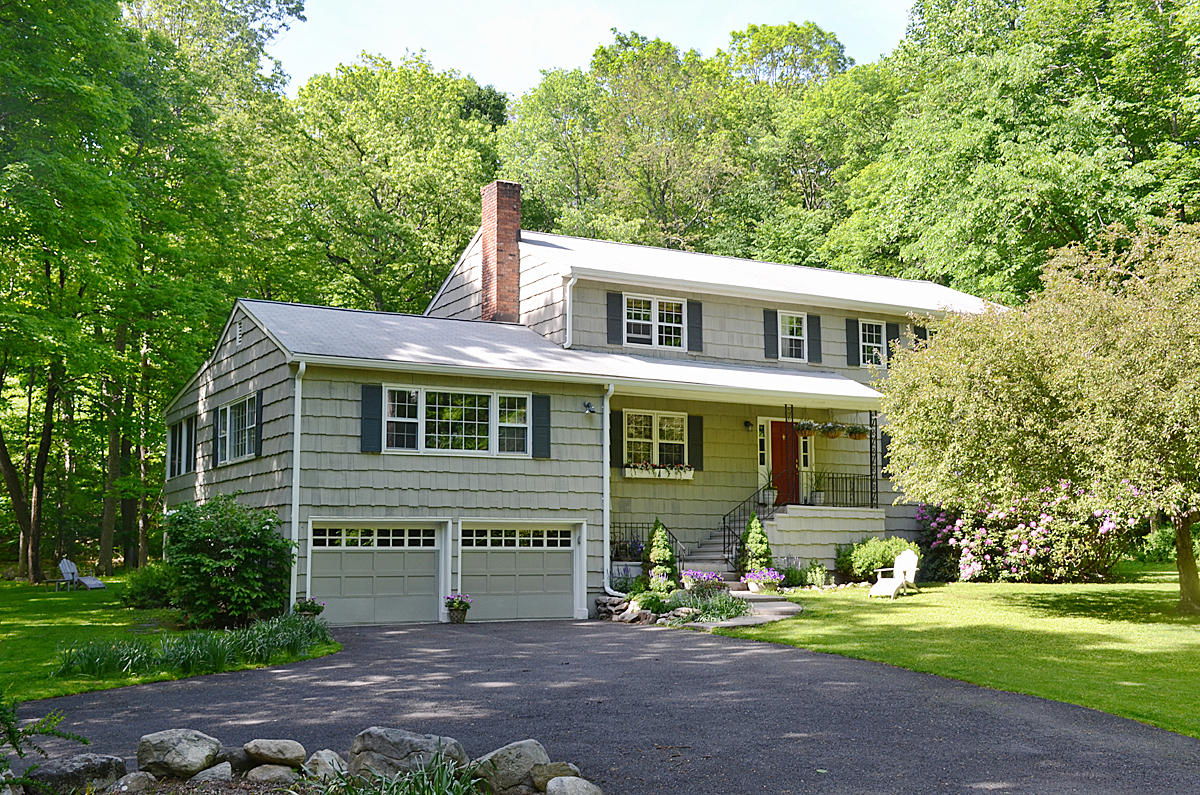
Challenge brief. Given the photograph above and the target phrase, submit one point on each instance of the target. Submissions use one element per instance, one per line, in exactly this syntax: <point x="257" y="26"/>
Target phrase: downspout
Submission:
<point x="606" y="490"/>
<point x="298" y="393"/>
<point x="569" y="309"/>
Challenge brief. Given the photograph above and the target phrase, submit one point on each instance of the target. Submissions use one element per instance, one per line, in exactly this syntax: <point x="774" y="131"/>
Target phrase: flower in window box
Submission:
<point x="832" y="430"/>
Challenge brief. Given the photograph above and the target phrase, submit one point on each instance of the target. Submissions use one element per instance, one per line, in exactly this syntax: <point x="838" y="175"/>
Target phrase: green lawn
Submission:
<point x="1119" y="647"/>
<point x="35" y="622"/>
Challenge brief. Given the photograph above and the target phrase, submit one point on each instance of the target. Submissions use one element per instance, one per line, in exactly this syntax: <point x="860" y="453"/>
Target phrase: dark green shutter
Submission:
<point x="695" y="325"/>
<point x="540" y="416"/>
<point x="696" y="442"/>
<point x="853" y="343"/>
<point x="371" y="432"/>
<point x="770" y="334"/>
<point x="216" y="428"/>
<point x="258" y="412"/>
<point x="616" y="317"/>
<point x="893" y="334"/>
<point x="616" y="439"/>
<point x="813" y="327"/>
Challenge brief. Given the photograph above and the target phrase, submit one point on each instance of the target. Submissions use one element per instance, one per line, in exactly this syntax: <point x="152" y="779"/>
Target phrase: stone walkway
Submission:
<point x="656" y="710"/>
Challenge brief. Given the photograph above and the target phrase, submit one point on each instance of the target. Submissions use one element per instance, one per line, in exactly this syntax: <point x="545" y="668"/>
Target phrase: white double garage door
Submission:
<point x="399" y="573"/>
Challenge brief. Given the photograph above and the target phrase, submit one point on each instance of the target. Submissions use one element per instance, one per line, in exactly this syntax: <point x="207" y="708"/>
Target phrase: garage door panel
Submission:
<point x="358" y="586"/>
<point x="534" y="580"/>
<point x="494" y="607"/>
<point x="360" y="610"/>
<point x="557" y="583"/>
<point x="326" y="586"/>
<point x="392" y="584"/>
<point x="358" y="562"/>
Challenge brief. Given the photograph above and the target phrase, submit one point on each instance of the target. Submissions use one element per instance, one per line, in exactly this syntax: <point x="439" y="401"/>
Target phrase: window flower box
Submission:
<point x="659" y="473"/>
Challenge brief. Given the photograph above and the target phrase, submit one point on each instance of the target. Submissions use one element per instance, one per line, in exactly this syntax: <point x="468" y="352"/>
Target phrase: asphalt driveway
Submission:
<point x="649" y="710"/>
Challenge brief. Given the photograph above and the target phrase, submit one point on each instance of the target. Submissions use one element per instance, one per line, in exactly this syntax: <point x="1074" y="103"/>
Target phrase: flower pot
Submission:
<point x="858" y="437"/>
<point x="768" y="497"/>
<point x="806" y="432"/>
<point x="831" y="434"/>
<point x="761" y="587"/>
<point x="457" y="615"/>
<point x="817" y="497"/>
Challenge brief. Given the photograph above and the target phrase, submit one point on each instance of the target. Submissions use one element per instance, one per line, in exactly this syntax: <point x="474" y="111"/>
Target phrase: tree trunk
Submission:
<point x="37" y="492"/>
<point x="112" y="464"/>
<point x="1185" y="561"/>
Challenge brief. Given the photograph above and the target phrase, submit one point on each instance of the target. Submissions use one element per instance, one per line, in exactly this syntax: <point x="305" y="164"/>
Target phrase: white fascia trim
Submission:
<point x="761" y="295"/>
<point x="569" y="308"/>
<point x="461" y="259"/>
<point x="297" y="414"/>
<point x="630" y="386"/>
<point x="606" y="488"/>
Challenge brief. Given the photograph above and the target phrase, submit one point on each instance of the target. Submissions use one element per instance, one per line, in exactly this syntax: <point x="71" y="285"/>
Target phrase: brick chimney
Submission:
<point x="501" y="252"/>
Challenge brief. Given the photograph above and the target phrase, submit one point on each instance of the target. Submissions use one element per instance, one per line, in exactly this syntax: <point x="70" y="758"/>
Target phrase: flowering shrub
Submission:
<point x="1058" y="538"/>
<point x="662" y="556"/>
<point x="458" y="601"/>
<point x="309" y="607"/>
<point x="767" y="579"/>
<point x="702" y="582"/>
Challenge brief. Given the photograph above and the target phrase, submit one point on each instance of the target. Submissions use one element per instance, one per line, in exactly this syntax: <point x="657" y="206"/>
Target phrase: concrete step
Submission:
<point x="719" y="566"/>
<point x="706" y="554"/>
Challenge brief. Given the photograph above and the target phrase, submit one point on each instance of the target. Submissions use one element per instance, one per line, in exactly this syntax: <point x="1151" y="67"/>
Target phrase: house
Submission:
<point x="557" y="396"/>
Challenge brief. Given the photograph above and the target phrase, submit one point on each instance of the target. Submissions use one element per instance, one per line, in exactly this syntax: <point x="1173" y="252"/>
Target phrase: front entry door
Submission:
<point x="785" y="463"/>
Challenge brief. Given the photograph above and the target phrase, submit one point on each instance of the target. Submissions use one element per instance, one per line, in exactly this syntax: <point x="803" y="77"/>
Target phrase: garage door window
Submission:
<point x="496" y="538"/>
<point x="374" y="537"/>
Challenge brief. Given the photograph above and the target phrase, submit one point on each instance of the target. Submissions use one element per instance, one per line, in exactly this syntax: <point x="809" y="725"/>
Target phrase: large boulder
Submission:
<point x="386" y="752"/>
<point x="325" y="764"/>
<point x="137" y="781"/>
<point x="276" y="752"/>
<point x="542" y="774"/>
<point x="272" y="774"/>
<point x="572" y="785"/>
<point x="237" y="758"/>
<point x="179" y="753"/>
<point x="79" y="772"/>
<point x="510" y="767"/>
<point x="222" y="771"/>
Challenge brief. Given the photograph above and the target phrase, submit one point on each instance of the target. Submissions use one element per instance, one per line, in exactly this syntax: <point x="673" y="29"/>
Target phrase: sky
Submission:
<point x="508" y="42"/>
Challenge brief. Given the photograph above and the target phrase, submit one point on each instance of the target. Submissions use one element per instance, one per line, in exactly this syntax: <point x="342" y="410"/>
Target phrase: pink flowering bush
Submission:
<point x="1057" y="538"/>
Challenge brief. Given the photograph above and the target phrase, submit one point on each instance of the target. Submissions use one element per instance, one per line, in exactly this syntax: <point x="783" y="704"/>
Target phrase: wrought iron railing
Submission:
<point x="764" y="503"/>
<point x="837" y="489"/>
<point x="628" y="541"/>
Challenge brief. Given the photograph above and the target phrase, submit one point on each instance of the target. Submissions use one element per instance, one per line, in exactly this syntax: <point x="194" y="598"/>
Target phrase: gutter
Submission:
<point x="606" y="490"/>
<point x="569" y="309"/>
<point x="294" y="531"/>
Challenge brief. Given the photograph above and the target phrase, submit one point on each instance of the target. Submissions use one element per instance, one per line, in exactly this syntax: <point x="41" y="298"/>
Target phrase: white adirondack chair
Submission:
<point x="904" y="574"/>
<point x="71" y="578"/>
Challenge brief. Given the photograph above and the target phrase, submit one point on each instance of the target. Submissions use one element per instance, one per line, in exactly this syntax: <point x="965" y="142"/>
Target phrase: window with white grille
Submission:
<point x="513" y="538"/>
<point x="374" y="537"/>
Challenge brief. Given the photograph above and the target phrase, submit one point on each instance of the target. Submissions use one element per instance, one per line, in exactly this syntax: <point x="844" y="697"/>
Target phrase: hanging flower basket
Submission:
<point x="858" y="432"/>
<point x="832" y="430"/>
<point x="806" y="428"/>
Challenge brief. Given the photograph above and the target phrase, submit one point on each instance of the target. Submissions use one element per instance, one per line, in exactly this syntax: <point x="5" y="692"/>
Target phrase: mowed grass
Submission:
<point x="1120" y="648"/>
<point x="35" y="622"/>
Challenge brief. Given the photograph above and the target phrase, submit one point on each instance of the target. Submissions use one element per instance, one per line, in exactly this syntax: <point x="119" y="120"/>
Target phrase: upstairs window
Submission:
<point x="656" y="437"/>
<point x="791" y="337"/>
<point x="654" y="322"/>
<point x="432" y="420"/>
<point x="181" y="448"/>
<point x="235" y="430"/>
<point x="871" y="351"/>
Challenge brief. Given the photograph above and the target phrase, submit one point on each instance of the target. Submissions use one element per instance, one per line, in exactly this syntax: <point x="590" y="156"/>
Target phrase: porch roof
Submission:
<point x="415" y="343"/>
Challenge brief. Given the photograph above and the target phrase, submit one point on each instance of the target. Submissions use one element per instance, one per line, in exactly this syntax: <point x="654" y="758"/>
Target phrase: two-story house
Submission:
<point x="556" y="397"/>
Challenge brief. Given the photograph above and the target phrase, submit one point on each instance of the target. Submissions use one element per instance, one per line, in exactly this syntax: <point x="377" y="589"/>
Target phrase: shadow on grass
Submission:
<point x="1133" y="605"/>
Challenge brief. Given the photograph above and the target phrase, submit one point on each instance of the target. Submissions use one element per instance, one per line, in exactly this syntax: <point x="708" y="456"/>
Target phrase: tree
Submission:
<point x="756" y="547"/>
<point x="664" y="575"/>
<point x="787" y="56"/>
<point x="1094" y="383"/>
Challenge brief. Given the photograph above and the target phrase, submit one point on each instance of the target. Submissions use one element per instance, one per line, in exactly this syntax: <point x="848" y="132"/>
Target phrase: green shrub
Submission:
<point x="654" y="601"/>
<point x="233" y="567"/>
<point x="196" y="652"/>
<point x="875" y="553"/>
<point x="793" y="575"/>
<point x="843" y="565"/>
<point x="441" y="776"/>
<point x="18" y="738"/>
<point x="719" y="606"/>
<point x="150" y="587"/>
<point x="756" y="549"/>
<point x="1158" y="546"/>
<point x="664" y="576"/>
<point x="814" y="573"/>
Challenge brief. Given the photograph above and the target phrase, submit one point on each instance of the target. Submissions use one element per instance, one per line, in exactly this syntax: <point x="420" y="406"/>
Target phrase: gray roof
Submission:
<point x="708" y="273"/>
<point x="326" y="335"/>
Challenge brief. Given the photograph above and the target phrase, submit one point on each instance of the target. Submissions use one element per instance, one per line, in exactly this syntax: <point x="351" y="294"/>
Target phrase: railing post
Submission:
<point x="875" y="459"/>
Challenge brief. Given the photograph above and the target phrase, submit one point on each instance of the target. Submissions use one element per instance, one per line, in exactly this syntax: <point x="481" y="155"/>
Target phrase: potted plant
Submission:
<point x="768" y="494"/>
<point x="816" y="493"/>
<point x="762" y="580"/>
<point x="858" y="432"/>
<point x="308" y="606"/>
<point x="832" y="430"/>
<point x="457" y="605"/>
<point x="806" y="427"/>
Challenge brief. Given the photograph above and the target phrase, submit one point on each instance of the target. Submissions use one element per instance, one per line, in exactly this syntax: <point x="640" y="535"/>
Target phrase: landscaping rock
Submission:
<point x="608" y="606"/>
<point x="237" y="758"/>
<point x="218" y="772"/>
<point x="137" y="781"/>
<point x="82" y="771"/>
<point x="276" y="752"/>
<point x="511" y="766"/>
<point x="390" y="751"/>
<point x="179" y="753"/>
<point x="542" y="774"/>
<point x="572" y="785"/>
<point x="325" y="764"/>
<point x="272" y="774"/>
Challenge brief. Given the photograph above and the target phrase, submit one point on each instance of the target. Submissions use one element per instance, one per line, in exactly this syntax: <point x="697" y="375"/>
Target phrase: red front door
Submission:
<point x="785" y="463"/>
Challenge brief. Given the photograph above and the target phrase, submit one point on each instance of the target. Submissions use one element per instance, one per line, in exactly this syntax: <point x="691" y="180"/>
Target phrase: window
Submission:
<point x="181" y="448"/>
<point x="656" y="437"/>
<point x="496" y="538"/>
<point x="871" y="350"/>
<point x="434" y="420"/>
<point x="791" y="336"/>
<point x="376" y="537"/>
<point x="236" y="431"/>
<point x="655" y="322"/>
